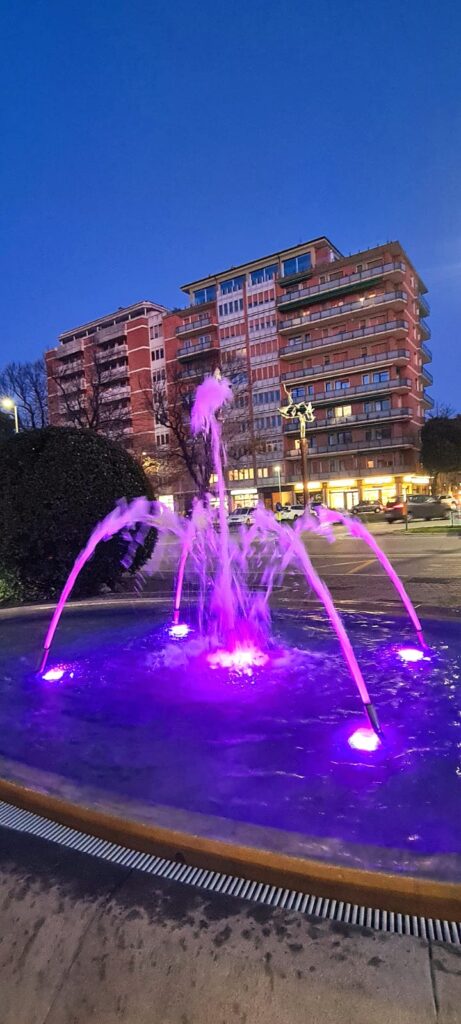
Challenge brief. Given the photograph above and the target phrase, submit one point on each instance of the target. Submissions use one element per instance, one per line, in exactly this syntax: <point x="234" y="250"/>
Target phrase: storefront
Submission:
<point x="244" y="497"/>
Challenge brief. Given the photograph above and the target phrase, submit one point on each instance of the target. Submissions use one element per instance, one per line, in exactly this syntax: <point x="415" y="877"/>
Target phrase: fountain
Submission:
<point x="230" y="710"/>
<point x="235" y="620"/>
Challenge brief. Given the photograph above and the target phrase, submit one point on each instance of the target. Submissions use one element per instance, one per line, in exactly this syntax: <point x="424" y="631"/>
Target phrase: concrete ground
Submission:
<point x="84" y="941"/>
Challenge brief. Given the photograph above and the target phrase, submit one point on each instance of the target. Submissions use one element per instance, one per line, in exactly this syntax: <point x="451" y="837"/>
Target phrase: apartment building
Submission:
<point x="103" y="373"/>
<point x="347" y="333"/>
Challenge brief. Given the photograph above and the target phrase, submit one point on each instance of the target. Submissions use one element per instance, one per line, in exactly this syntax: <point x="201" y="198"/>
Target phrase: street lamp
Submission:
<point x="277" y="470"/>
<point x="8" y="404"/>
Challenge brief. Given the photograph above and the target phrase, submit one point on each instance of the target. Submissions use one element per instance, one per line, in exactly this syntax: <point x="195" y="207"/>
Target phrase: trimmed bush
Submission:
<point x="56" y="484"/>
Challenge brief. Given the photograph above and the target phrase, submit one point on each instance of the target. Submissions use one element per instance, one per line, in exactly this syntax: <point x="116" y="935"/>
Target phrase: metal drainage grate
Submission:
<point x="259" y="892"/>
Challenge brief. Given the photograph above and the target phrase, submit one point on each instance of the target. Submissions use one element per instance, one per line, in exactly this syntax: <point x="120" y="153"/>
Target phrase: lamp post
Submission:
<point x="303" y="412"/>
<point x="277" y="470"/>
<point x="8" y="404"/>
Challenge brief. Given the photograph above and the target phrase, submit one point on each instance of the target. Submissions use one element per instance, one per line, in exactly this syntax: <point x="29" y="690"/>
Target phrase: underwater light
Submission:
<point x="241" y="658"/>
<point x="364" y="739"/>
<point x="410" y="654"/>
<point x="180" y="630"/>
<point x="53" y="675"/>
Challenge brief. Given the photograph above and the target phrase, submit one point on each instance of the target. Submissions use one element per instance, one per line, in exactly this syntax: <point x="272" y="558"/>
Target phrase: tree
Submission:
<point x="26" y="383"/>
<point x="172" y="410"/>
<point x="441" y="447"/>
<point x="57" y="484"/>
<point x="97" y="406"/>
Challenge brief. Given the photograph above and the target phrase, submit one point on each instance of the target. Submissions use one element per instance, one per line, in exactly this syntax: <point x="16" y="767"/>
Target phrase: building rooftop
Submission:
<point x="256" y="263"/>
<point x="118" y="316"/>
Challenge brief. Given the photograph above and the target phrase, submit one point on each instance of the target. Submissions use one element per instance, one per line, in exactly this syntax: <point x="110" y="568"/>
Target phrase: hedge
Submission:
<point x="56" y="484"/>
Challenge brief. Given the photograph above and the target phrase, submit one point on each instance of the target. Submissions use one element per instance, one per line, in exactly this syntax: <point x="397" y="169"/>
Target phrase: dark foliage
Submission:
<point x="57" y="483"/>
<point x="441" y="444"/>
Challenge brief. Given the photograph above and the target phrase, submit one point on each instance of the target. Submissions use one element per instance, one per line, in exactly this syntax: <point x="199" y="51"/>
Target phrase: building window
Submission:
<point x="263" y="471"/>
<point x="376" y="378"/>
<point x="264" y="274"/>
<point x="297" y="264"/>
<point x="302" y="392"/>
<point x="234" y="284"/>
<point x="379" y="406"/>
<point x="158" y="353"/>
<point x="205" y="294"/>
<point x="339" y="411"/>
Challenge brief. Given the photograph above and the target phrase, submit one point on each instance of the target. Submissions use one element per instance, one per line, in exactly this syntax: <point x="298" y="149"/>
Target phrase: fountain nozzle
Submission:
<point x="373" y="719"/>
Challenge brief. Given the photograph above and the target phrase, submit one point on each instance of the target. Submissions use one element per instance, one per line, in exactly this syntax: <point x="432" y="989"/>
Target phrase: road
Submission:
<point x="429" y="565"/>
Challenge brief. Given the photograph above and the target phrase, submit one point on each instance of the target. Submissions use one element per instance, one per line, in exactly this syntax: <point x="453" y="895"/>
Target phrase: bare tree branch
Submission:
<point x="26" y="384"/>
<point x="94" y="404"/>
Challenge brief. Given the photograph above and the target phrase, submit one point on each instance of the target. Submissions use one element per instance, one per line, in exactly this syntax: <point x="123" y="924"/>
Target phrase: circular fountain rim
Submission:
<point x="381" y="890"/>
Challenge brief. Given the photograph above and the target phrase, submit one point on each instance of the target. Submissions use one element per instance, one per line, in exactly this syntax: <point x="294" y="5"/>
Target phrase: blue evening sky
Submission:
<point x="144" y="144"/>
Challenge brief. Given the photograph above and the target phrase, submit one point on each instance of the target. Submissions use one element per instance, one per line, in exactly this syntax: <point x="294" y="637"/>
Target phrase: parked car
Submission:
<point x="367" y="506"/>
<point x="449" y="500"/>
<point x="416" y="506"/>
<point x="241" y="517"/>
<point x="290" y="513"/>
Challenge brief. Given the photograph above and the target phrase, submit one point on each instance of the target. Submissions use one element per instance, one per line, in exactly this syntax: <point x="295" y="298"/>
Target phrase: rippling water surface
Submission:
<point x="141" y="715"/>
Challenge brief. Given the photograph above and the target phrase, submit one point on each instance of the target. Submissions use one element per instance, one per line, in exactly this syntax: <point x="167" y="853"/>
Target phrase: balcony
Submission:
<point x="399" y="357"/>
<point x="329" y="423"/>
<point x="340" y="286"/>
<point x="111" y="333"/>
<point x="67" y="348"/>
<point x="427" y="376"/>
<point x="425" y="329"/>
<point x="116" y="393"/>
<point x="424" y="307"/>
<point x="194" y="373"/>
<point x="388" y="300"/>
<point x="398" y="384"/>
<point x="426" y="353"/>
<point x="296" y="350"/>
<point x="194" y="351"/>
<point x="428" y="401"/>
<point x="112" y="373"/>
<point x="196" y="325"/>
<point x="360" y="445"/>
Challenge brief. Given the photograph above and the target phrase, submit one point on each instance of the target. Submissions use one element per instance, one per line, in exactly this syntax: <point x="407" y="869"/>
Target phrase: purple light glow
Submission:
<point x="179" y="630"/>
<point x="53" y="675"/>
<point x="410" y="654"/>
<point x="364" y="739"/>
<point x="241" y="659"/>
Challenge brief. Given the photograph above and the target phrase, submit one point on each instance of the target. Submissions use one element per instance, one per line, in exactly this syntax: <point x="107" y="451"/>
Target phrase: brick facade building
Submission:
<point x="348" y="334"/>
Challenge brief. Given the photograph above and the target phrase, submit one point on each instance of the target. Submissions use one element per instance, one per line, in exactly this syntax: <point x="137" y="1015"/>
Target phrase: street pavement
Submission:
<point x="429" y="565"/>
<point x="88" y="942"/>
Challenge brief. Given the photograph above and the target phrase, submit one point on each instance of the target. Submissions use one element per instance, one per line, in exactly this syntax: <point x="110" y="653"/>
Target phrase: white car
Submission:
<point x="449" y="500"/>
<point x="291" y="512"/>
<point x="241" y="517"/>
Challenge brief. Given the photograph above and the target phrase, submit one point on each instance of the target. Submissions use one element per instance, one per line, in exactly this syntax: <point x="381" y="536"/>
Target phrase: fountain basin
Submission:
<point x="142" y="728"/>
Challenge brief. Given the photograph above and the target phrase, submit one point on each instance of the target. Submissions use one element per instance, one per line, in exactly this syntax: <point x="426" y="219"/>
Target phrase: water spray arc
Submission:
<point x="234" y="617"/>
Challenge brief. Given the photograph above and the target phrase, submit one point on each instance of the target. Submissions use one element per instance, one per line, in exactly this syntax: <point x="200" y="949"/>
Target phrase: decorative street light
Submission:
<point x="277" y="470"/>
<point x="8" y="404"/>
<point x="304" y="413"/>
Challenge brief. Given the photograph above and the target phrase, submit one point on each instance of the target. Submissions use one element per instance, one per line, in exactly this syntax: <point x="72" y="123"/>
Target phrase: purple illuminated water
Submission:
<point x="143" y="716"/>
<point x="235" y="619"/>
